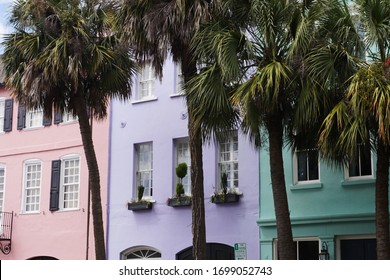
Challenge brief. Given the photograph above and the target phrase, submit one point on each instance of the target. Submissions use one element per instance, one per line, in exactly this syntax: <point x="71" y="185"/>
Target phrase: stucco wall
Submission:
<point x="166" y="228"/>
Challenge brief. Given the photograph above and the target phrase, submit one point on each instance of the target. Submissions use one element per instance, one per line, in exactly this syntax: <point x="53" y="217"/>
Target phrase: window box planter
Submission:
<point x="139" y="205"/>
<point x="179" y="201"/>
<point x="225" y="198"/>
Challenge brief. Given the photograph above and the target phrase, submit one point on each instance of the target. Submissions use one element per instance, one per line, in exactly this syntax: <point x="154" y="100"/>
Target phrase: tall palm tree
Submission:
<point x="64" y="54"/>
<point x="160" y="28"/>
<point x="362" y="117"/>
<point x="262" y="51"/>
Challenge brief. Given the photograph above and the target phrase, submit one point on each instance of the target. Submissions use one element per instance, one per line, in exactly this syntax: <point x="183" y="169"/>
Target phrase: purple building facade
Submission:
<point x="148" y="139"/>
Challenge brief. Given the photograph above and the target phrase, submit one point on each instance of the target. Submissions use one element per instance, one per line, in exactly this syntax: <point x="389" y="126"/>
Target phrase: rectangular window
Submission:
<point x="2" y="112"/>
<point x="146" y="79"/>
<point x="68" y="117"/>
<point x="70" y="183"/>
<point x="361" y="166"/>
<point x="228" y="161"/>
<point x="306" y="165"/>
<point x="32" y="186"/>
<point x="144" y="167"/>
<point x="2" y="186"/>
<point x="34" y="118"/>
<point x="179" y="80"/>
<point x="306" y="249"/>
<point x="183" y="155"/>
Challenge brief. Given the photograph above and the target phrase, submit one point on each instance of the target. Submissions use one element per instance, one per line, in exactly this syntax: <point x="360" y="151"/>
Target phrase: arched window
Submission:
<point x="141" y="252"/>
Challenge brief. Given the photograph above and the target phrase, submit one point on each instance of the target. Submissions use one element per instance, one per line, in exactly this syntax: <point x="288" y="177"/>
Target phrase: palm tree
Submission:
<point x="157" y="29"/>
<point x="362" y="116"/>
<point x="263" y="52"/>
<point x="66" y="55"/>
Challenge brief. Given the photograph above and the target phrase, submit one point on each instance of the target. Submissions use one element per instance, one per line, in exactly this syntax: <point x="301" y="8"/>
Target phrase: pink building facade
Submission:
<point x="44" y="184"/>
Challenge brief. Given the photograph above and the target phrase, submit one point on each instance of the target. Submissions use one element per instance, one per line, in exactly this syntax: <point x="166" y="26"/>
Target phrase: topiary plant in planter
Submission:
<point x="225" y="196"/>
<point x="140" y="204"/>
<point x="180" y="199"/>
<point x="140" y="192"/>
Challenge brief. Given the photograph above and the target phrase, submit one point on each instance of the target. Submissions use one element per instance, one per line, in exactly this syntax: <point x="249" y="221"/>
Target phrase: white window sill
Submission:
<point x="30" y="213"/>
<point x="68" y="123"/>
<point x="306" y="185"/>
<point x="358" y="181"/>
<point x="68" y="210"/>
<point x="32" y="128"/>
<point x="175" y="95"/>
<point x="152" y="98"/>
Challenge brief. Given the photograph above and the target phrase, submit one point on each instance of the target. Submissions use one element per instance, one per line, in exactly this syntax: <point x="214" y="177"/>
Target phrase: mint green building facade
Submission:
<point x="334" y="207"/>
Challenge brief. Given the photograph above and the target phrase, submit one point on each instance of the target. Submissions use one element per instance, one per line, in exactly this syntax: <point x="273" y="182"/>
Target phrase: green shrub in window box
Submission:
<point x="225" y="198"/>
<point x="180" y="201"/>
<point x="140" y="205"/>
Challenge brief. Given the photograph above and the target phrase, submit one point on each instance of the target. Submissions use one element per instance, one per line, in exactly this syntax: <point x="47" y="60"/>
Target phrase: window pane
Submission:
<point x="308" y="250"/>
<point x="228" y="161"/>
<point x="313" y="165"/>
<point x="302" y="166"/>
<point x="70" y="183"/>
<point x="365" y="161"/>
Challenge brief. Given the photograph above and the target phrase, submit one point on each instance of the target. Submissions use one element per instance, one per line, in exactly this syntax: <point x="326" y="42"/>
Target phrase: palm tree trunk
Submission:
<point x="382" y="203"/>
<point x="199" y="251"/>
<point x="197" y="191"/>
<point x="286" y="248"/>
<point x="93" y="177"/>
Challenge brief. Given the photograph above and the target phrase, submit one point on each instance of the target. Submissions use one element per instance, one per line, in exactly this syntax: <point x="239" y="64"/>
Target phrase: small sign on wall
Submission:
<point x="240" y="251"/>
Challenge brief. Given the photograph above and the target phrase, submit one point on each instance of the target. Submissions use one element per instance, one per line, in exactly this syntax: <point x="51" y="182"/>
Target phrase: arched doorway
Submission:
<point x="42" y="258"/>
<point x="140" y="253"/>
<point x="215" y="251"/>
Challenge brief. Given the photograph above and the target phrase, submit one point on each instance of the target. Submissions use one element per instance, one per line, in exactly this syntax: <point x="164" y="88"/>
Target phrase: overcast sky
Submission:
<point x="4" y="14"/>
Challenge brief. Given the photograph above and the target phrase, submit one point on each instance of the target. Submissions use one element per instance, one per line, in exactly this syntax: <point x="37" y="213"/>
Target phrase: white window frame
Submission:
<point x="142" y="173"/>
<point x="359" y="177"/>
<point x="187" y="179"/>
<point x="2" y="114"/>
<point x="75" y="183"/>
<point x="299" y="239"/>
<point x="339" y="238"/>
<point x="2" y="187"/>
<point x="68" y="117"/>
<point x="179" y="80"/>
<point x="141" y="253"/>
<point x="145" y="83"/>
<point x="26" y="189"/>
<point x="296" y="170"/>
<point x="34" y="118"/>
<point x="232" y="152"/>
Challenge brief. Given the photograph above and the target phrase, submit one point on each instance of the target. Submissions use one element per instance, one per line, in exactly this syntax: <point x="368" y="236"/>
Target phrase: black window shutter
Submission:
<point x="21" y="117"/>
<point x="57" y="117"/>
<point x="8" y="115"/>
<point x="55" y="184"/>
<point x="46" y="120"/>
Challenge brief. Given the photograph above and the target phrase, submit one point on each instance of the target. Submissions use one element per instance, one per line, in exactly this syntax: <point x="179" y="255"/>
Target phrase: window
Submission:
<point x="31" y="186"/>
<point x="146" y="83"/>
<point x="179" y="80"/>
<point x="361" y="166"/>
<point x="34" y="118"/>
<point x="183" y="155"/>
<point x="65" y="183"/>
<point x="70" y="182"/>
<point x="2" y="186"/>
<point x="143" y="253"/>
<point x="65" y="117"/>
<point x="6" y="107"/>
<point x="2" y="112"/>
<point x="228" y="161"/>
<point x="306" y="248"/>
<point x="144" y="167"/>
<point x="306" y="165"/>
<point x="31" y="118"/>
